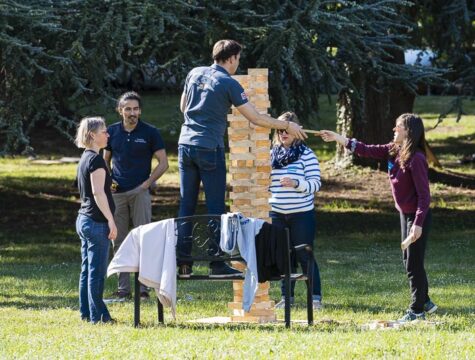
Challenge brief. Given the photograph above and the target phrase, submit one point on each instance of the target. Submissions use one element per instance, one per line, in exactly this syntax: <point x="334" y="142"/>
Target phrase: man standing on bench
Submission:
<point x="207" y="97"/>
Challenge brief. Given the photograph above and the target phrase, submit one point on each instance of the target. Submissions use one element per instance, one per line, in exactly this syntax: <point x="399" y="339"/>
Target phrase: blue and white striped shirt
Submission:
<point x="306" y="171"/>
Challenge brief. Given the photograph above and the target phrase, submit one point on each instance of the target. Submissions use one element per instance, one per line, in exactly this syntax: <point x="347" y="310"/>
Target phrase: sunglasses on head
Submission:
<point x="282" y="131"/>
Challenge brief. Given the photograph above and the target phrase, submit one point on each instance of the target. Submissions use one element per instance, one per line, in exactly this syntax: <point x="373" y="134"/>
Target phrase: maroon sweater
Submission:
<point x="410" y="186"/>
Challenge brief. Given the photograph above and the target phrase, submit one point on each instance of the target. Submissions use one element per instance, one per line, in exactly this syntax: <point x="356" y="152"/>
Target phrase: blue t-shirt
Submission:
<point x="210" y="91"/>
<point x="90" y="162"/>
<point x="132" y="153"/>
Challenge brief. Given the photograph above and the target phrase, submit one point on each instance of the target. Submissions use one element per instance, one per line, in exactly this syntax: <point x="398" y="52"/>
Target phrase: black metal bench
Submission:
<point x="203" y="233"/>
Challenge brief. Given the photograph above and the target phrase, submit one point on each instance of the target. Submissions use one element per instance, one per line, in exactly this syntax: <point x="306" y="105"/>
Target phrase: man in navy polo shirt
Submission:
<point x="209" y="93"/>
<point x="132" y="145"/>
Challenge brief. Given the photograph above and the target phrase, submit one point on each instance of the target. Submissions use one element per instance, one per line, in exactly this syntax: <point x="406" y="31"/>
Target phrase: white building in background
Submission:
<point x="418" y="56"/>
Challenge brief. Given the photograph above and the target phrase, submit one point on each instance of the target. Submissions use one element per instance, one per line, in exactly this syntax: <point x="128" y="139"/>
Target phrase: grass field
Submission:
<point x="356" y="247"/>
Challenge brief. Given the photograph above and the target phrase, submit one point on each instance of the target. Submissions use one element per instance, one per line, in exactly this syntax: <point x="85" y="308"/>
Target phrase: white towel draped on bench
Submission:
<point x="150" y="251"/>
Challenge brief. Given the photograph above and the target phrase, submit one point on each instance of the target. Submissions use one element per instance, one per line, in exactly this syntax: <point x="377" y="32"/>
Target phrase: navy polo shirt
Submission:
<point x="210" y="91"/>
<point x="132" y="153"/>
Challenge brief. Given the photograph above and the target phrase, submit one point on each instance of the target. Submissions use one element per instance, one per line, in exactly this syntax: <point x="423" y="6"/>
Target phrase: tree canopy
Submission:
<point x="56" y="56"/>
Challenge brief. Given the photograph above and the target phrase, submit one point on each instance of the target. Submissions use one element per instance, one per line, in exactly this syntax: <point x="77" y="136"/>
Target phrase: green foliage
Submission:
<point x="57" y="57"/>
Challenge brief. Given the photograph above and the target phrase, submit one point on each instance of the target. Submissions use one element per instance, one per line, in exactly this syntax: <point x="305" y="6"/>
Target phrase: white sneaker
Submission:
<point x="317" y="305"/>
<point x="281" y="303"/>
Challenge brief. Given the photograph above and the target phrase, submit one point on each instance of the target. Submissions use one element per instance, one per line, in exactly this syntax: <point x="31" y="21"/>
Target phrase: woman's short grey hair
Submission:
<point x="88" y="126"/>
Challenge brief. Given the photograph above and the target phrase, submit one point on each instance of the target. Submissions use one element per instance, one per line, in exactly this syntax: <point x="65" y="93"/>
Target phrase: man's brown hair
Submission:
<point x="224" y="49"/>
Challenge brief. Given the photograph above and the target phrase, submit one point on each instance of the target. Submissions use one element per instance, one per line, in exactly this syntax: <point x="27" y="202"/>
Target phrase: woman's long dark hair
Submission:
<point x="415" y="140"/>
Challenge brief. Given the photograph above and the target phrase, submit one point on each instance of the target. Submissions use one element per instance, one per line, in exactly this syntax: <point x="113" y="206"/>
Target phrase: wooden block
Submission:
<point x="264" y="182"/>
<point x="262" y="156"/>
<point x="241" y="170"/>
<point x="238" y="285"/>
<point x="257" y="298"/>
<point x="242" y="176"/>
<point x="242" y="182"/>
<point x="263" y="208"/>
<point x="259" y="91"/>
<point x="264" y="104"/>
<point x="241" y="144"/>
<point x="261" y="78"/>
<point x="261" y="292"/>
<point x="259" y="175"/>
<point x="239" y="150"/>
<point x="241" y="189"/>
<point x="265" y="143"/>
<point x="254" y="312"/>
<point x="242" y="156"/>
<point x="265" y="169"/>
<point x="242" y="195"/>
<point x="264" y="285"/>
<point x="257" y="71"/>
<point x="239" y="202"/>
<point x="261" y="163"/>
<point x="254" y="306"/>
<point x="254" y="319"/>
<point x="260" y="97"/>
<point x="239" y="124"/>
<point x="235" y="137"/>
<point x="259" y="189"/>
<point x="259" y="136"/>
<point x="256" y="202"/>
<point x="247" y="131"/>
<point x="238" y="163"/>
<point x="259" y="85"/>
<point x="241" y="266"/>
<point x="261" y="130"/>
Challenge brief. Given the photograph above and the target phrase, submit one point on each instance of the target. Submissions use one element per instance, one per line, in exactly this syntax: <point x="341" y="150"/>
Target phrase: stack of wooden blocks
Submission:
<point x="249" y="147"/>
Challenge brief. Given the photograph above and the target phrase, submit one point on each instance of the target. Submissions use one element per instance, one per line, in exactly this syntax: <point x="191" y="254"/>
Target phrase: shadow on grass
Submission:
<point x="40" y="302"/>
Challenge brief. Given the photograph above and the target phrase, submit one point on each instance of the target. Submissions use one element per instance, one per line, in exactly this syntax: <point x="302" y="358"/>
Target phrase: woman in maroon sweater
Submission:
<point x="407" y="170"/>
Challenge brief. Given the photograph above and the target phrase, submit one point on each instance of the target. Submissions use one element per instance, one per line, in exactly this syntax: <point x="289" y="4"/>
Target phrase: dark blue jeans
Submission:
<point x="197" y="164"/>
<point x="413" y="259"/>
<point x="302" y="228"/>
<point x="94" y="256"/>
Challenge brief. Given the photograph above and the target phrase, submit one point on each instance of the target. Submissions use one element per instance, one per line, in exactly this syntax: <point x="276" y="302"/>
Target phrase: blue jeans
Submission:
<point x="197" y="164"/>
<point x="94" y="256"/>
<point x="302" y="228"/>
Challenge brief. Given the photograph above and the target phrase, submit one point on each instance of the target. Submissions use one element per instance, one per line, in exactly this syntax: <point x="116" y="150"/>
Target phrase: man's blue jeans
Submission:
<point x="302" y="228"/>
<point x="94" y="256"/>
<point x="197" y="164"/>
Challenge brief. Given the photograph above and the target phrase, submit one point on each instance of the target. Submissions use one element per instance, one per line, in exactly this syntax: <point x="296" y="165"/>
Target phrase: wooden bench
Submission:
<point x="203" y="232"/>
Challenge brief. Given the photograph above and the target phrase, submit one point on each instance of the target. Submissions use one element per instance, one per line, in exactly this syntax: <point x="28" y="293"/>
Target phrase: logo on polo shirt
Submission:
<point x="243" y="96"/>
<point x="142" y="141"/>
<point x="292" y="169"/>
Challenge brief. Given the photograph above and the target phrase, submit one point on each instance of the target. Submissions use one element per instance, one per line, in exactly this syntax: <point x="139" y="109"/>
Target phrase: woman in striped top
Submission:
<point x="295" y="177"/>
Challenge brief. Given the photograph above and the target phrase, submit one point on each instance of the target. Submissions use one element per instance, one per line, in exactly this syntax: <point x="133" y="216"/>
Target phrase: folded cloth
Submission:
<point x="238" y="230"/>
<point x="150" y="251"/>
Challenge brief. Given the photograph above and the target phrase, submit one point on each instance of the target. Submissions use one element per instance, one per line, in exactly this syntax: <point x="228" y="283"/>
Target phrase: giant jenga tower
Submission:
<point x="249" y="147"/>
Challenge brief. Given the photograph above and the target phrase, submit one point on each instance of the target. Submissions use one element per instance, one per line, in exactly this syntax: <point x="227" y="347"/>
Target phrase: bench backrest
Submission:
<point x="201" y="234"/>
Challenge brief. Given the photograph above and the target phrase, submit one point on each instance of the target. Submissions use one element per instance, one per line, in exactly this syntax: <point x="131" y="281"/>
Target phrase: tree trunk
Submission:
<point x="370" y="115"/>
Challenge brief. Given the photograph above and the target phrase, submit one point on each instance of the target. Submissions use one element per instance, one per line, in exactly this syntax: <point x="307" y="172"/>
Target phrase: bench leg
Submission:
<point x="287" y="300"/>
<point x="137" y="301"/>
<point x="287" y="282"/>
<point x="310" y="292"/>
<point x="160" y="312"/>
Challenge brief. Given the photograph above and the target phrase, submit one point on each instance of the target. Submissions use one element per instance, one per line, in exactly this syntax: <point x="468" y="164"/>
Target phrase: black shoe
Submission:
<point x="185" y="271"/>
<point x="122" y="295"/>
<point x="144" y="295"/>
<point x="224" y="271"/>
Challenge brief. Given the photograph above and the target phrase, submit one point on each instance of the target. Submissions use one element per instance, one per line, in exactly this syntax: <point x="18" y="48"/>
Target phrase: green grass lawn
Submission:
<point x="357" y="250"/>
